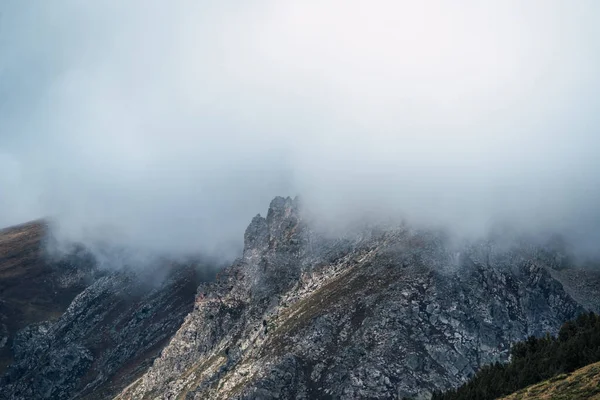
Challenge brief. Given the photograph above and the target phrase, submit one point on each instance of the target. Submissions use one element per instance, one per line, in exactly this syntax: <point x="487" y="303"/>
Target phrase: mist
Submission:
<point x="166" y="126"/>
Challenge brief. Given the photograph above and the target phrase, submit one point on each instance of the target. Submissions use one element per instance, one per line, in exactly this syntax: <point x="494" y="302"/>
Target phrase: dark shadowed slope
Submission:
<point x="71" y="331"/>
<point x="33" y="289"/>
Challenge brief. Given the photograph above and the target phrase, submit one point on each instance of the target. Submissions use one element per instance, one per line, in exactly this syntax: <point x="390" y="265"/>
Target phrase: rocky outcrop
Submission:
<point x="378" y="314"/>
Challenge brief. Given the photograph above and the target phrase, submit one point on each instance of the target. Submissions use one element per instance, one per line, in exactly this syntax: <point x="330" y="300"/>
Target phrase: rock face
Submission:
<point x="87" y="333"/>
<point x="379" y="314"/>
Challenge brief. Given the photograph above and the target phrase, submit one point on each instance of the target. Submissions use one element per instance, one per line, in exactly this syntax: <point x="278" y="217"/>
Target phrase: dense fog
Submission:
<point x="166" y="126"/>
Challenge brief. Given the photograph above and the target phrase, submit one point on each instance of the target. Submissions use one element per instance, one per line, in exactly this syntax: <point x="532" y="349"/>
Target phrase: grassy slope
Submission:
<point x="583" y="383"/>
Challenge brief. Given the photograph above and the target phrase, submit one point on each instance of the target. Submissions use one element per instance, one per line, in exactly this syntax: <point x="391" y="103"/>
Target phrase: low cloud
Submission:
<point x="167" y="125"/>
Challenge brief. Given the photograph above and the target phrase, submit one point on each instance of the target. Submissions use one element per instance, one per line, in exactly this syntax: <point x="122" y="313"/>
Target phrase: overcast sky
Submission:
<point x="169" y="124"/>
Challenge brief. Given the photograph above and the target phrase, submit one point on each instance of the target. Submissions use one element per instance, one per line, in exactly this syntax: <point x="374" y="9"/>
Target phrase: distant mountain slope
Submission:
<point x="33" y="289"/>
<point x="106" y="338"/>
<point x="378" y="314"/>
<point x="72" y="331"/>
<point x="582" y="384"/>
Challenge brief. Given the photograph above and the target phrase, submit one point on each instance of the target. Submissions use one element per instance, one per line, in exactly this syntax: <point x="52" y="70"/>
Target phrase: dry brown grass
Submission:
<point x="581" y="384"/>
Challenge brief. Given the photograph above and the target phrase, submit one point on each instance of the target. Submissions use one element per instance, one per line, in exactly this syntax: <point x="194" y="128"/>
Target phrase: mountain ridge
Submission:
<point x="377" y="312"/>
<point x="371" y="316"/>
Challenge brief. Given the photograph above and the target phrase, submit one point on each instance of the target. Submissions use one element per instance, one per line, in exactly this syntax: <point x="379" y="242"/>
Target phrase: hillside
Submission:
<point x="70" y="330"/>
<point x="583" y="383"/>
<point x="33" y="288"/>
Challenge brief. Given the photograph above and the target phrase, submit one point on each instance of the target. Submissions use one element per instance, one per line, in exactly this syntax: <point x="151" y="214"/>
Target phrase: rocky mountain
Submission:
<point x="378" y="313"/>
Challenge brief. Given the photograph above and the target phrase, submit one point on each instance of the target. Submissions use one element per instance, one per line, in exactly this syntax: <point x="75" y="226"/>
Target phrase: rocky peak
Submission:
<point x="282" y="211"/>
<point x="256" y="237"/>
<point x="281" y="223"/>
<point x="272" y="246"/>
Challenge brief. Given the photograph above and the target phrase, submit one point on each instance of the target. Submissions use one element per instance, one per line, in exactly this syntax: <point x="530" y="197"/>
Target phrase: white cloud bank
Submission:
<point x="167" y="125"/>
